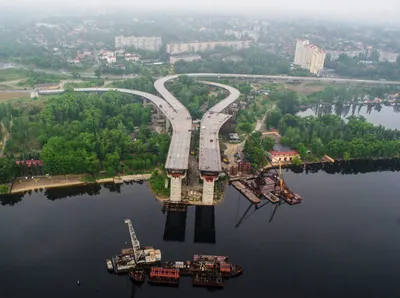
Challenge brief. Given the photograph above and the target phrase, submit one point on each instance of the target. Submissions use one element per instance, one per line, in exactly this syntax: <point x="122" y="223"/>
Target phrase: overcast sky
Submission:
<point x="376" y="9"/>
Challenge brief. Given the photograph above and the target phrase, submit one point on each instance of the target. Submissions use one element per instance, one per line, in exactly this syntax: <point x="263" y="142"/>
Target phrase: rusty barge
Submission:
<point x="268" y="185"/>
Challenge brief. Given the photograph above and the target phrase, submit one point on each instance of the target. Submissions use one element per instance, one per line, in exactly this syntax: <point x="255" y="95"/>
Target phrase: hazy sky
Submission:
<point x="375" y="9"/>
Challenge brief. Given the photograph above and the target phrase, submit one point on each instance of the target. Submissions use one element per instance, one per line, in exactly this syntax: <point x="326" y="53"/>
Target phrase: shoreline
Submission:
<point x="20" y="185"/>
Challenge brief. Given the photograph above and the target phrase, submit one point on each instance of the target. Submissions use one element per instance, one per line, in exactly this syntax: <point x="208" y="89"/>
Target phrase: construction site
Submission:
<point x="145" y="263"/>
<point x="257" y="185"/>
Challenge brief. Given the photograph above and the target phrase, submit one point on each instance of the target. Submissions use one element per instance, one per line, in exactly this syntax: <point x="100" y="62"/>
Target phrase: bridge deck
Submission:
<point x="211" y="123"/>
<point x="181" y="121"/>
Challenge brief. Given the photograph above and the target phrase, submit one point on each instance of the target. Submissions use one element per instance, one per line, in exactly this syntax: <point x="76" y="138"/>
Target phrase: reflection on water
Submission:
<point x="378" y="114"/>
<point x="350" y="167"/>
<point x="175" y="226"/>
<point x="204" y="226"/>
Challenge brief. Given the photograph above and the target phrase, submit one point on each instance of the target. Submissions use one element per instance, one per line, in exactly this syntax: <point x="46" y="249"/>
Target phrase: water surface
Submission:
<point x="342" y="241"/>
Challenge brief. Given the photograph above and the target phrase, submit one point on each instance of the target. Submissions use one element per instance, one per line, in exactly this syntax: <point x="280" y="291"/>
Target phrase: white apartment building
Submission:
<point x="388" y="56"/>
<point x="145" y="43"/>
<point x="309" y="56"/>
<point x="178" y="48"/>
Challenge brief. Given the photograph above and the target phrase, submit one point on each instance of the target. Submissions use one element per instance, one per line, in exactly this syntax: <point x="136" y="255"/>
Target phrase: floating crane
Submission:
<point x="135" y="242"/>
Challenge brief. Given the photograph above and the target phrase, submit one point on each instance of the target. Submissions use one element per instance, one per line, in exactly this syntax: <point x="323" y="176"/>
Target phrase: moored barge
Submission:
<point x="164" y="276"/>
<point x="202" y="264"/>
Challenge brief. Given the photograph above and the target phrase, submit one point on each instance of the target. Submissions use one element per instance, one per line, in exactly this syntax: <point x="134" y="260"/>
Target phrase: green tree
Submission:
<point x="98" y="72"/>
<point x="268" y="144"/>
<point x="296" y="161"/>
<point x="273" y="117"/>
<point x="8" y="169"/>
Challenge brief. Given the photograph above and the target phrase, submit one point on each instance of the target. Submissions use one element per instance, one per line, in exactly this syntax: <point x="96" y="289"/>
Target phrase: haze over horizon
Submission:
<point x="385" y="10"/>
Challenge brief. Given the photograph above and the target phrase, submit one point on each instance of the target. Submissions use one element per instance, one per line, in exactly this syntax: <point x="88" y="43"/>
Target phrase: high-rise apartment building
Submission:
<point x="309" y="56"/>
<point x="143" y="42"/>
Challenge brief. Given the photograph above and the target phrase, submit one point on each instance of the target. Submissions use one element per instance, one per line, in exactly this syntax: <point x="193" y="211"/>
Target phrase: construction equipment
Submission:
<point x="135" y="242"/>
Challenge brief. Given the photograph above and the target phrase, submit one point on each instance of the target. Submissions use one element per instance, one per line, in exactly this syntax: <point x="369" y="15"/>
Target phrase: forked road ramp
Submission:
<point x="209" y="149"/>
<point x="177" y="163"/>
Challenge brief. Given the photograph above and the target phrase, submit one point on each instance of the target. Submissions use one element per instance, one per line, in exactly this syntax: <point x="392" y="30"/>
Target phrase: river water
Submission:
<point x="378" y="114"/>
<point x="341" y="241"/>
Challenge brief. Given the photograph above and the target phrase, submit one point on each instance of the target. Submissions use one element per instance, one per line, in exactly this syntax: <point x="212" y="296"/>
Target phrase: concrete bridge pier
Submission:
<point x="176" y="178"/>
<point x="208" y="188"/>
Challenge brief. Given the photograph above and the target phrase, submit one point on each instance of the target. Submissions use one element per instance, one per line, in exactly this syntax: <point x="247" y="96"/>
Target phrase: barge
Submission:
<point x="135" y="258"/>
<point x="164" y="276"/>
<point x="205" y="264"/>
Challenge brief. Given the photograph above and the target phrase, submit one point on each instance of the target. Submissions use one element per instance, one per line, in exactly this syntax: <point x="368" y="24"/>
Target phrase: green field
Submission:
<point x="11" y="74"/>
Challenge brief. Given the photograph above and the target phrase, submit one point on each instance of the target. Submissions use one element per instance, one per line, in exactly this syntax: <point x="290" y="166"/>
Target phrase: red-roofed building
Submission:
<point x="30" y="162"/>
<point x="282" y="156"/>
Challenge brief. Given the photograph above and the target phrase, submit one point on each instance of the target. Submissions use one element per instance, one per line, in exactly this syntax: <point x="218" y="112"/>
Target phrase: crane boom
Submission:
<point x="135" y="241"/>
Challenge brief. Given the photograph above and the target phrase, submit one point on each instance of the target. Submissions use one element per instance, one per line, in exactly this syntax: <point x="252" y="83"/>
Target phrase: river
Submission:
<point x="387" y="116"/>
<point x="341" y="241"/>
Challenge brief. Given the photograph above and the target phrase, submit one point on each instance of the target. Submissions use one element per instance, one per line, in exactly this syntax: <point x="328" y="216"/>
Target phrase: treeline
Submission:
<point x="40" y="78"/>
<point x="329" y="134"/>
<point x="250" y="61"/>
<point x="81" y="132"/>
<point x="145" y="84"/>
<point x="256" y="148"/>
<point x="195" y="96"/>
<point x="357" y="68"/>
<point x="345" y="93"/>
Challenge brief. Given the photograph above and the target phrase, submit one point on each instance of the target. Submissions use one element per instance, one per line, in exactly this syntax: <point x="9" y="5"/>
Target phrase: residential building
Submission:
<point x="309" y="56"/>
<point x="282" y="156"/>
<point x="178" y="48"/>
<point x="131" y="57"/>
<point x="111" y="59"/>
<point x="153" y="43"/>
<point x="187" y="58"/>
<point x="388" y="56"/>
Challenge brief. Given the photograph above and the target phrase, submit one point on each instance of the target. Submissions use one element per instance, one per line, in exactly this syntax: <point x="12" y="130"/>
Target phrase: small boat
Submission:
<point x="110" y="266"/>
<point x="137" y="276"/>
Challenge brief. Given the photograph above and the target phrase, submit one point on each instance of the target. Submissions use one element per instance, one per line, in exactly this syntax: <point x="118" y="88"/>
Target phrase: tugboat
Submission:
<point x="109" y="264"/>
<point x="137" y="276"/>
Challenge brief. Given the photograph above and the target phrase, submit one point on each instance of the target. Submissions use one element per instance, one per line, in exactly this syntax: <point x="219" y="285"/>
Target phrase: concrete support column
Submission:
<point x="144" y="101"/>
<point x="167" y="124"/>
<point x="176" y="187"/>
<point x="208" y="189"/>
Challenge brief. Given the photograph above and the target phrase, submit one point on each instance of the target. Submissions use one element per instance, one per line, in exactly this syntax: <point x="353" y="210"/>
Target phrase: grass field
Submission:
<point x="7" y="96"/>
<point x="10" y="74"/>
<point x="305" y="88"/>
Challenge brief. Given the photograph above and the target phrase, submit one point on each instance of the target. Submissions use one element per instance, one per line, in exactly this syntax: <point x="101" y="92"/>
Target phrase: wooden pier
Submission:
<point x="247" y="193"/>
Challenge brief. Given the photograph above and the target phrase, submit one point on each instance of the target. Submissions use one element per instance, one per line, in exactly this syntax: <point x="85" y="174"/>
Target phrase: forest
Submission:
<point x="86" y="133"/>
<point x="195" y="96"/>
<point x="256" y="148"/>
<point x="330" y="134"/>
<point x="249" y="61"/>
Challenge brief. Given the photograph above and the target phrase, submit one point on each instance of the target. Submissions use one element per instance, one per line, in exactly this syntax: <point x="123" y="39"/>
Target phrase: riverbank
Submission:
<point x="24" y="184"/>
